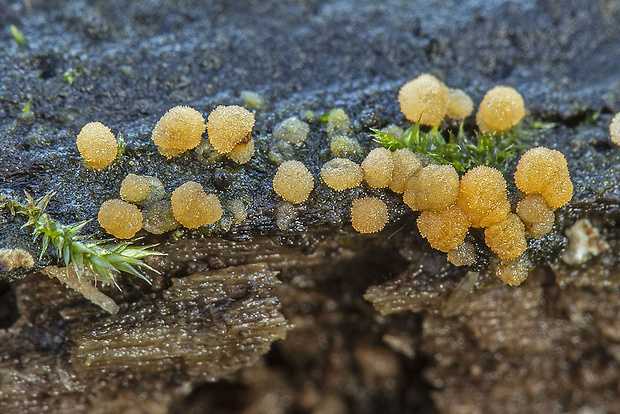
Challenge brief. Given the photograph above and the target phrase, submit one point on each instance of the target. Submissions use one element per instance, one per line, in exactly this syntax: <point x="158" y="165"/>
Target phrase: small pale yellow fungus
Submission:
<point x="406" y="163"/>
<point x="463" y="255"/>
<point x="378" y="168"/>
<point x="97" y="145"/>
<point x="242" y="152"/>
<point x="501" y="108"/>
<point x="433" y="188"/>
<point x="179" y="130"/>
<point x="544" y="171"/>
<point x="159" y="218"/>
<point x="512" y="271"/>
<point x="459" y="104"/>
<point x="369" y="215"/>
<point x="614" y="129"/>
<point x="292" y="130"/>
<point x="536" y="215"/>
<point x="345" y="146"/>
<point x="142" y="189"/>
<point x="15" y="258"/>
<point x="238" y="210"/>
<point x="192" y="207"/>
<point x="483" y="197"/>
<point x="507" y="238"/>
<point x="338" y="123"/>
<point x="120" y="218"/>
<point x="424" y="98"/>
<point x="293" y="182"/>
<point x="341" y="174"/>
<point x="445" y="230"/>
<point x="228" y="126"/>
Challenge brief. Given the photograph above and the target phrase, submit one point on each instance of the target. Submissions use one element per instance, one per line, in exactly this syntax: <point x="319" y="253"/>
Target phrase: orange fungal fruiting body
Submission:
<point x="142" y="189"/>
<point x="445" y="230"/>
<point x="513" y="271"/>
<point x="482" y="196"/>
<point x="228" y="126"/>
<point x="406" y="163"/>
<point x="178" y="130"/>
<point x="544" y="171"/>
<point x="434" y="188"/>
<point x="192" y="207"/>
<point x="341" y="174"/>
<point x="507" y="238"/>
<point x="501" y="108"/>
<point x="120" y="218"/>
<point x="369" y="215"/>
<point x="97" y="145"/>
<point x="378" y="167"/>
<point x="425" y="99"/>
<point x="293" y="182"/>
<point x="536" y="215"/>
<point x="459" y="104"/>
<point x="242" y="153"/>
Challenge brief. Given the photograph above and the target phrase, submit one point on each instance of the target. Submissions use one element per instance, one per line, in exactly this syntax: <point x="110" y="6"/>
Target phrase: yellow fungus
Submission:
<point x="341" y="174"/>
<point x="142" y="189"/>
<point x="97" y="145"/>
<point x="512" y="271"/>
<point x="501" y="108"/>
<point x="238" y="210"/>
<point x="406" y="163"/>
<point x="369" y="215"/>
<point x="242" y="152"/>
<point x="228" y="126"/>
<point x="178" y="130"/>
<point x="192" y="207"/>
<point x="536" y="215"/>
<point x="614" y="129"/>
<point x="434" y="188"/>
<point x="507" y="238"/>
<point x="293" y="182"/>
<point x="378" y="168"/>
<point x="482" y="196"/>
<point x="120" y="218"/>
<point x="459" y="104"/>
<point x="544" y="171"/>
<point x="424" y="98"/>
<point x="463" y="255"/>
<point x="445" y="230"/>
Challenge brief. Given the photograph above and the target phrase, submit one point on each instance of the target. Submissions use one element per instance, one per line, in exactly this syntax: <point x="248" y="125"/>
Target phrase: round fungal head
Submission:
<point x="406" y="163"/>
<point x="292" y="130"/>
<point x="425" y="99"/>
<point x="513" y="271"/>
<point x="159" y="218"/>
<point x="433" y="188"/>
<point x="344" y="146"/>
<point x="242" y="152"/>
<point x="142" y="189"/>
<point x="228" y="126"/>
<point x="536" y="215"/>
<point x="445" y="230"/>
<point x="459" y="104"/>
<point x="544" y="171"/>
<point x="507" y="238"/>
<point x="614" y="129"/>
<point x="192" y="207"/>
<point x="97" y="145"/>
<point x="482" y="196"/>
<point x="341" y="174"/>
<point x="293" y="182"/>
<point x="369" y="215"/>
<point x="120" y="218"/>
<point x="179" y="130"/>
<point x="463" y="255"/>
<point x="378" y="168"/>
<point x="501" y="108"/>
